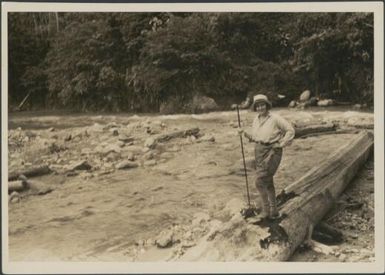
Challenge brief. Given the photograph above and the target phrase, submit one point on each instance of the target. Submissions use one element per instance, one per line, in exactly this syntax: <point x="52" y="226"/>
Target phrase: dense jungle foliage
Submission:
<point x="139" y="61"/>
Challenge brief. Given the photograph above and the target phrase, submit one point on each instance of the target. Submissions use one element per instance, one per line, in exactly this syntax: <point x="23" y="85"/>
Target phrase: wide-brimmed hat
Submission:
<point x="261" y="98"/>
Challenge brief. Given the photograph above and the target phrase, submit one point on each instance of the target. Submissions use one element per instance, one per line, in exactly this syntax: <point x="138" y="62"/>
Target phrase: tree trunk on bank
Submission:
<point x="17" y="186"/>
<point x="30" y="172"/>
<point x="178" y="134"/>
<point x="306" y="201"/>
<point x="316" y="128"/>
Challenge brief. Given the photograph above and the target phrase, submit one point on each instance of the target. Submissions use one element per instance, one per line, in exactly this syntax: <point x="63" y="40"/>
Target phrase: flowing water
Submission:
<point x="107" y="214"/>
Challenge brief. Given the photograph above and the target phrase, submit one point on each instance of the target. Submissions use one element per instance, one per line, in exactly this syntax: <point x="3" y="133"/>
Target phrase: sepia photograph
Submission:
<point x="192" y="138"/>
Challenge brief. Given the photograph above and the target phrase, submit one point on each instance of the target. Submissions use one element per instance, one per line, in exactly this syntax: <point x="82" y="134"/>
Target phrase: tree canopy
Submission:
<point x="138" y="61"/>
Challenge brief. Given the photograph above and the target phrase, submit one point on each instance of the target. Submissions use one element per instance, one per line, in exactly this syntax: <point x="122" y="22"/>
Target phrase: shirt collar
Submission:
<point x="267" y="116"/>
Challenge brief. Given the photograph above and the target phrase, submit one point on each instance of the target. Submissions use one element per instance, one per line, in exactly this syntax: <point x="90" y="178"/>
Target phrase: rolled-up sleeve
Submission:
<point x="287" y="129"/>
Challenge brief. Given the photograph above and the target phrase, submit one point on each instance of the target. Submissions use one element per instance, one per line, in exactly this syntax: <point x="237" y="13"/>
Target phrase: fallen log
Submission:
<point x="313" y="130"/>
<point x="32" y="171"/>
<point x="178" y="134"/>
<point x="152" y="141"/>
<point x="362" y="126"/>
<point x="334" y="132"/>
<point x="18" y="186"/>
<point x="316" y="128"/>
<point x="305" y="202"/>
<point x="302" y="205"/>
<point x="250" y="161"/>
<point x="24" y="184"/>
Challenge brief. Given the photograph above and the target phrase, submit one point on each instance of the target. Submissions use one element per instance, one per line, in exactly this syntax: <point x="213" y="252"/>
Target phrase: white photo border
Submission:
<point x="205" y="267"/>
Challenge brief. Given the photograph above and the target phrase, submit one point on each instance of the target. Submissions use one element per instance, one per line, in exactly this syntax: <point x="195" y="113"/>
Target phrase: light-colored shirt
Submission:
<point x="272" y="128"/>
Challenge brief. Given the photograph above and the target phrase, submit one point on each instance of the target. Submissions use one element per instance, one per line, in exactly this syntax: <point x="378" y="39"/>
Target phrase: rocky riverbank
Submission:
<point x="169" y="188"/>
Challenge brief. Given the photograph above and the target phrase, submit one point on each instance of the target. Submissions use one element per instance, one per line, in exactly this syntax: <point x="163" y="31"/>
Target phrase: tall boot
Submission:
<point x="272" y="201"/>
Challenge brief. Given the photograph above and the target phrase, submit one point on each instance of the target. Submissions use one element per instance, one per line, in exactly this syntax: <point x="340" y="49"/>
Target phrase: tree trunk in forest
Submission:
<point x="306" y="201"/>
<point x="57" y="21"/>
<point x="24" y="100"/>
<point x="35" y="25"/>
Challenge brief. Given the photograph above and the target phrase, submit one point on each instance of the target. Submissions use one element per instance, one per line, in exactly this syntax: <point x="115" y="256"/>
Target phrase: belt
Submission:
<point x="264" y="143"/>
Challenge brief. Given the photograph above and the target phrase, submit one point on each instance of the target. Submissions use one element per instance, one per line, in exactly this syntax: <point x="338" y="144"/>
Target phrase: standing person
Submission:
<point x="270" y="133"/>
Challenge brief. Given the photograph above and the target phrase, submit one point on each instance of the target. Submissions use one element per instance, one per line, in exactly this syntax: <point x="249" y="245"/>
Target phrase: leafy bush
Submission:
<point x="151" y="61"/>
<point x="91" y="76"/>
<point x="178" y="60"/>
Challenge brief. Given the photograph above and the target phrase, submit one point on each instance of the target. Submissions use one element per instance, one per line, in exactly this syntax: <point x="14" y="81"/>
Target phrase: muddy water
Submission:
<point x="65" y="119"/>
<point x="104" y="217"/>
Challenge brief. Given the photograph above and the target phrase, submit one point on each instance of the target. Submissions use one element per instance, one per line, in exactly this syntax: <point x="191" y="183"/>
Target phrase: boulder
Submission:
<point x="135" y="149"/>
<point x="208" y="138"/>
<point x="149" y="155"/>
<point x="114" y="132"/>
<point x="54" y="148"/>
<point x="357" y="106"/>
<point x="131" y="156"/>
<point x="325" y="102"/>
<point x="165" y="239"/>
<point x="109" y="148"/>
<point x="150" y="142"/>
<point x="14" y="197"/>
<point x="110" y="126"/>
<point x="30" y="134"/>
<point x="120" y="144"/>
<point x="302" y="105"/>
<point x="201" y="104"/>
<point x="313" y="101"/>
<point x="192" y="138"/>
<point x="151" y="162"/>
<point x="125" y="138"/>
<point x="292" y="104"/>
<point x="305" y="96"/>
<point x="68" y="137"/>
<point x="126" y="164"/>
<point x="112" y="156"/>
<point x="145" y="149"/>
<point x="81" y="165"/>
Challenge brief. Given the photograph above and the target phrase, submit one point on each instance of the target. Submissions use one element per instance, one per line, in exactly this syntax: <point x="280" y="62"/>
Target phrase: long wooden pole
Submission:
<point x="244" y="161"/>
